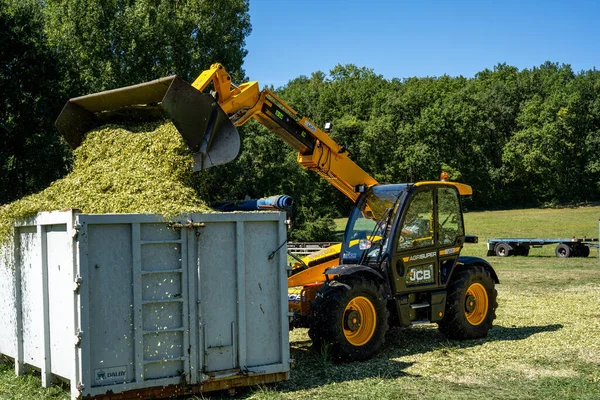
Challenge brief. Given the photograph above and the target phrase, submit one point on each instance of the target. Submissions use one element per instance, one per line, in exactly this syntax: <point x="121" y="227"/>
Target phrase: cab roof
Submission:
<point x="463" y="190"/>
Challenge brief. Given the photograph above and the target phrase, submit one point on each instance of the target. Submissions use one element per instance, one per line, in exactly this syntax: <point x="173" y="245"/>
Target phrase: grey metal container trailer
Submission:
<point x="132" y="305"/>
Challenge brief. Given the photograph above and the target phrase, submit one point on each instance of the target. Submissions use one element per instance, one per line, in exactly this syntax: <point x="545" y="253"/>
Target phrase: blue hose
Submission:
<point x="279" y="202"/>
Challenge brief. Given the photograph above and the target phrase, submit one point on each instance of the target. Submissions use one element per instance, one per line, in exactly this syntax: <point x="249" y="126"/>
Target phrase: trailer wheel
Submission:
<point x="471" y="304"/>
<point x="350" y="320"/>
<point x="503" y="250"/>
<point x="585" y="251"/>
<point x="580" y="250"/>
<point x="563" y="251"/>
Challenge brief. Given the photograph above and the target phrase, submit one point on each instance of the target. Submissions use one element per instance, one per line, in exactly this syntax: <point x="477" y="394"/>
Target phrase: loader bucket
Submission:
<point x="205" y="127"/>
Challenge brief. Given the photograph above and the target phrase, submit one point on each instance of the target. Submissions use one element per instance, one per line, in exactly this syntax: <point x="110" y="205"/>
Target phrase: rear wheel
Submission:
<point x="585" y="251"/>
<point x="581" y="250"/>
<point x="471" y="304"/>
<point x="350" y="320"/>
<point x="563" y="251"/>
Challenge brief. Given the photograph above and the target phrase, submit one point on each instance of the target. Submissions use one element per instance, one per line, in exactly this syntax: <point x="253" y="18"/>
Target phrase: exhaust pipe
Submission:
<point x="204" y="126"/>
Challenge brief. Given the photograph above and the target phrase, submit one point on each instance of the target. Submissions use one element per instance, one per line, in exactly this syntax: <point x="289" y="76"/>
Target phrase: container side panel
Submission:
<point x="111" y="303"/>
<point x="60" y="296"/>
<point x="163" y="369"/>
<point x="263" y="294"/>
<point x="161" y="256"/>
<point x="31" y="296"/>
<point x="217" y="295"/>
<point x="163" y="316"/>
<point x="163" y="346"/>
<point x="159" y="232"/>
<point x="8" y="304"/>
<point x="163" y="286"/>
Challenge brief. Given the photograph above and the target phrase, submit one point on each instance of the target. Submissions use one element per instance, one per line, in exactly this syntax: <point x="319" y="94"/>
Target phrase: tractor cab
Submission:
<point x="398" y="233"/>
<point x="408" y="227"/>
<point x="370" y="224"/>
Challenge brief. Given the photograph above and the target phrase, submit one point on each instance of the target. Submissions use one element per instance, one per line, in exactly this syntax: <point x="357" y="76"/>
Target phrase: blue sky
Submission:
<point x="400" y="39"/>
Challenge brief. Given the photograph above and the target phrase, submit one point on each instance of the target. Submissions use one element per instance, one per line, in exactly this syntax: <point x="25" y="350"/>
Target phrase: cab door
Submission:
<point x="450" y="230"/>
<point x="415" y="256"/>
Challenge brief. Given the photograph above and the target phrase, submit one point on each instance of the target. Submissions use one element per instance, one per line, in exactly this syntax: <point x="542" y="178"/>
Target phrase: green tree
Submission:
<point x="56" y="49"/>
<point x="31" y="153"/>
<point x="114" y="43"/>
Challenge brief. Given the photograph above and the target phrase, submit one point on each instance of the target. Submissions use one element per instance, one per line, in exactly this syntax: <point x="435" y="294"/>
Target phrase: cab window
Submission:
<point x="449" y="217"/>
<point x="417" y="228"/>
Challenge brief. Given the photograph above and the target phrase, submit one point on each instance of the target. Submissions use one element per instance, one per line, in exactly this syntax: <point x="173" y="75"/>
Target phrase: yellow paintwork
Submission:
<point x="317" y="257"/>
<point x="453" y="250"/>
<point x="463" y="190"/>
<point x="477" y="316"/>
<point x="366" y="326"/>
<point x="311" y="275"/>
<point x="315" y="274"/>
<point x="246" y="101"/>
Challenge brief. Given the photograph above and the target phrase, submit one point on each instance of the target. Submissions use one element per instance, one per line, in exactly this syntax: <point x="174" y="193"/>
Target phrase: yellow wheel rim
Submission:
<point x="359" y="321"/>
<point x="476" y="304"/>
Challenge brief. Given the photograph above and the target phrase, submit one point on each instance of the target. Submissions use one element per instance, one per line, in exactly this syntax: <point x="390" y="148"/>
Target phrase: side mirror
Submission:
<point x="364" y="244"/>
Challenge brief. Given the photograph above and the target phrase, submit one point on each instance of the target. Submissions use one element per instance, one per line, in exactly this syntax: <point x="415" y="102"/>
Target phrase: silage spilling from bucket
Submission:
<point x="145" y="169"/>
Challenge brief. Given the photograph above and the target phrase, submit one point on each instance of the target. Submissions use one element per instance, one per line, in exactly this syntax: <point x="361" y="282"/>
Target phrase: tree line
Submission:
<point x="520" y="138"/>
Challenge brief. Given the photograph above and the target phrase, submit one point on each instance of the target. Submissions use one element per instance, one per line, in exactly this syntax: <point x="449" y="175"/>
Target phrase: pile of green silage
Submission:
<point x="145" y="169"/>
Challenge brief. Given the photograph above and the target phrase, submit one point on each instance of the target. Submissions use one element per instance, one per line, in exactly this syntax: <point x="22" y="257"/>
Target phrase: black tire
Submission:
<point x="585" y="251"/>
<point x="471" y="304"/>
<point x="580" y="250"/>
<point x="503" y="250"/>
<point x="317" y="341"/>
<point x="337" y="320"/>
<point x="563" y="251"/>
<point x="521" y="250"/>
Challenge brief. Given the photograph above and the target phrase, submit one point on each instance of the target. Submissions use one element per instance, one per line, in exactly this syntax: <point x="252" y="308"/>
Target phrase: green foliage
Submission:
<point x="113" y="43"/>
<point x="525" y="137"/>
<point x="57" y="49"/>
<point x="31" y="152"/>
<point x="311" y="226"/>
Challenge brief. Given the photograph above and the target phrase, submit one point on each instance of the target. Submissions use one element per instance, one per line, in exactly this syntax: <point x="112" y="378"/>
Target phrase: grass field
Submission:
<point x="545" y="343"/>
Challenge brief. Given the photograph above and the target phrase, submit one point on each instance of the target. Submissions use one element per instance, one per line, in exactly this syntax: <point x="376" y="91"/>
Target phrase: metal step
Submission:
<point x="419" y="305"/>
<point x="420" y="322"/>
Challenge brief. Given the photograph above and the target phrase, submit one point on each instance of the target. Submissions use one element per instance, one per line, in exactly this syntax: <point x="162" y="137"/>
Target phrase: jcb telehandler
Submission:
<point x="400" y="257"/>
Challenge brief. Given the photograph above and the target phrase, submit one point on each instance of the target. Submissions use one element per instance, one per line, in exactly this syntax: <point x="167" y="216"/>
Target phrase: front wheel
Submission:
<point x="563" y="251"/>
<point x="350" y="320"/>
<point x="471" y="304"/>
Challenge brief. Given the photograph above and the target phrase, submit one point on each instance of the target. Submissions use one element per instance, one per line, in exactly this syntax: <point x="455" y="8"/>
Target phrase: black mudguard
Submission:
<point x="465" y="261"/>
<point x="352" y="269"/>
